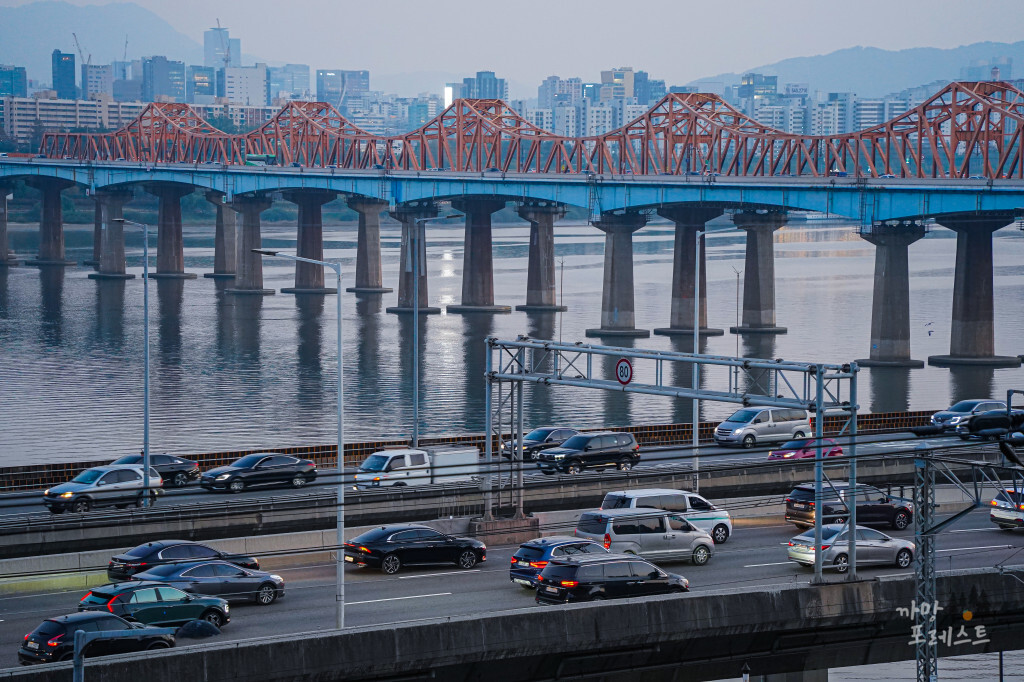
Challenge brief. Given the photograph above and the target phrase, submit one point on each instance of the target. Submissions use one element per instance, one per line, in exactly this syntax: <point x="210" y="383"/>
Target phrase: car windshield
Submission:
<point x="1011" y="497"/>
<point x="164" y="569"/>
<point x="48" y="628"/>
<point x="613" y="501"/>
<point x="592" y="524"/>
<point x="128" y="459"/>
<point x="247" y="462"/>
<point x="743" y="416"/>
<point x="141" y="550"/>
<point x="88" y="476"/>
<point x="374" y="463"/>
<point x="802" y="495"/>
<point x="576" y="442"/>
<point x="964" y="406"/>
<point x="808" y="537"/>
<point x="527" y="552"/>
<point x="799" y="444"/>
<point x="559" y="572"/>
<point x="372" y="535"/>
<point x="538" y="434"/>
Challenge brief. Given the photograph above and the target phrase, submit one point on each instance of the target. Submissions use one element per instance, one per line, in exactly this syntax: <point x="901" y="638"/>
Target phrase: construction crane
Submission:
<point x="81" y="56"/>
<point x="225" y="45"/>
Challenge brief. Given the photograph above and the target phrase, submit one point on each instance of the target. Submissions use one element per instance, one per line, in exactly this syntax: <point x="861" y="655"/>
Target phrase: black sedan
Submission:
<point x="175" y="471"/>
<point x="391" y="547"/>
<point x="54" y="639"/>
<point x="155" y="604"/>
<point x="539" y="439"/>
<point x="145" y="557"/>
<point x="260" y="469"/>
<point x="219" y="579"/>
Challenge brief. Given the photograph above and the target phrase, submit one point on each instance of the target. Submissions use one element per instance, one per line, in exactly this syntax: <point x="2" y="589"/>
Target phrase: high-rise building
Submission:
<point x="200" y="84"/>
<point x="621" y="81"/>
<point x="335" y="86"/>
<point x="97" y="81"/>
<point x="163" y="79"/>
<point x="63" y="66"/>
<point x="13" y="81"/>
<point x="554" y="91"/>
<point x="217" y="43"/>
<point x="647" y="90"/>
<point x="246" y="85"/>
<point x="290" y="81"/>
<point x="485" y="86"/>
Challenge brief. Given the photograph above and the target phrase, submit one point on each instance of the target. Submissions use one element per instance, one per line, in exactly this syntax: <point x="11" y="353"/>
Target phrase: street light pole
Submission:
<point x="145" y="355"/>
<point x="695" y="377"/>
<point x="339" y="596"/>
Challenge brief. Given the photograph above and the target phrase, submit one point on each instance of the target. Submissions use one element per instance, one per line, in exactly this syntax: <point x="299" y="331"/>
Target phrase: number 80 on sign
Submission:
<point x="623" y="371"/>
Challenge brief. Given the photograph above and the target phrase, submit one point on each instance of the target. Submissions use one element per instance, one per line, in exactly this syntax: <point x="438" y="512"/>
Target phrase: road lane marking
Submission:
<point x="966" y="549"/>
<point x="431" y="575"/>
<point x="415" y="596"/>
<point x="778" y="563"/>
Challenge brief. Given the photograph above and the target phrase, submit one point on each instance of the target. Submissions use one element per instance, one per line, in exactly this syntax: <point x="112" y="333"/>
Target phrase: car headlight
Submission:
<point x="276" y="577"/>
<point x="559" y="456"/>
<point x="223" y="477"/>
<point x="955" y="420"/>
<point x="788" y="455"/>
<point x="46" y="492"/>
<point x="65" y="495"/>
<point x="227" y="608"/>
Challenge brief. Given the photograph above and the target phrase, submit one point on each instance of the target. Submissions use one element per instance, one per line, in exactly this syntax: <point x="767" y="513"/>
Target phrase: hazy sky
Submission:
<point x="527" y="40"/>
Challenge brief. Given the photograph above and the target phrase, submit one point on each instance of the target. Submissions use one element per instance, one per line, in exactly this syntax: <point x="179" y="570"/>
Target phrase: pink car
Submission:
<point x="804" y="448"/>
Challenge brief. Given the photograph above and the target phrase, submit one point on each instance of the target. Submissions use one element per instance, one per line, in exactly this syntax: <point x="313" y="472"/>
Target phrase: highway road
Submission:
<point x="30" y="503"/>
<point x="754" y="558"/>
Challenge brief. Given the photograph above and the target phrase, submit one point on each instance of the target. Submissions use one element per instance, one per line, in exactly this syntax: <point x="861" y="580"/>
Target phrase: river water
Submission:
<point x="232" y="372"/>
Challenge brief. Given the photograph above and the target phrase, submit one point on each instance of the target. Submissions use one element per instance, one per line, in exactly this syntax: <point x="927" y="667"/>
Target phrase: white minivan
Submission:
<point x="692" y="506"/>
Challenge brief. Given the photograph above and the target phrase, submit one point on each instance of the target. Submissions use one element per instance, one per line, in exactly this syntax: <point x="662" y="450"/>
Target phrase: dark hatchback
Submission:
<point x="220" y="579"/>
<point x="531" y="557"/>
<point x="544" y="438"/>
<point x="260" y="469"/>
<point x="589" y="451"/>
<point x="151" y="554"/>
<point x="391" y="547"/>
<point x="610" y="576"/>
<point x="873" y="506"/>
<point x="54" y="639"/>
<point x="175" y="471"/>
<point x="155" y="604"/>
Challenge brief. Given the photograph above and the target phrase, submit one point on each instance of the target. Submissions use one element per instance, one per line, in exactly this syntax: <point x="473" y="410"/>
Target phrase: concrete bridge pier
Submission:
<point x="223" y="240"/>
<point x="249" y="265"/>
<point x="170" y="249"/>
<point x="617" y="303"/>
<point x="412" y="216"/>
<point x="540" y="279"/>
<point x="369" y="279"/>
<point x="309" y="278"/>
<point x="477" y="257"/>
<point x="6" y="255"/>
<point x="890" y="304"/>
<point x="51" y="223"/>
<point x="972" y="337"/>
<point x="110" y="207"/>
<point x="97" y="235"/>
<point x="759" y="273"/>
<point x="689" y="220"/>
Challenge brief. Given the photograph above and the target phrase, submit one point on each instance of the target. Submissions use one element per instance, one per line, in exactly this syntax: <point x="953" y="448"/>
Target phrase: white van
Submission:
<point x="692" y="506"/>
<point x="651" y="533"/>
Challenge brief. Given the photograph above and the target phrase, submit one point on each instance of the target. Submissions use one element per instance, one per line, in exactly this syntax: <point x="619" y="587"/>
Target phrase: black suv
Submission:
<point x="542" y="438"/>
<point x="591" y="450"/>
<point x="145" y="557"/>
<point x="54" y="639"/>
<point x="873" y="506"/>
<point x="604" y="576"/>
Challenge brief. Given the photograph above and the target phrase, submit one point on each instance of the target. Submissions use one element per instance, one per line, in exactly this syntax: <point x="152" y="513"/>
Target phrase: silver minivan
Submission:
<point x="692" y="506"/>
<point x="752" y="425"/>
<point x="654" y="534"/>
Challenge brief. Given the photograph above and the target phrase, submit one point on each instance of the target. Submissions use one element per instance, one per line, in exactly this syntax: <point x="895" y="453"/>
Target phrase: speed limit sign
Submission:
<point x="623" y="371"/>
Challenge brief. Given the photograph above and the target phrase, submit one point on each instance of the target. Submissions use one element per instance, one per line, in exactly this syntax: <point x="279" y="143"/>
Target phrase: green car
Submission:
<point x="155" y="603"/>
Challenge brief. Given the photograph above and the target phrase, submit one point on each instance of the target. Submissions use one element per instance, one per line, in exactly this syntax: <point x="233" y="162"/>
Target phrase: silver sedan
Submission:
<point x="873" y="547"/>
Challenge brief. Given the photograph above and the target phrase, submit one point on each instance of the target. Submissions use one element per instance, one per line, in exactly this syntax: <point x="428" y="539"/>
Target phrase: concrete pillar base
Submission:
<point x="91" y="263"/>
<point x="110" y="275"/>
<point x="173" y="275"/>
<point x="402" y="310"/>
<point x="461" y="309"/>
<point x="980" y="361"/>
<point x="868" y="362"/>
<point x="219" y="275"/>
<point x="634" y="333"/>
<point x="369" y="290"/>
<point x="683" y="331"/>
<point x="301" y="292"/>
<point x="528" y="308"/>
<point x="258" y="292"/>
<point x="51" y="263"/>
<point x="757" y="330"/>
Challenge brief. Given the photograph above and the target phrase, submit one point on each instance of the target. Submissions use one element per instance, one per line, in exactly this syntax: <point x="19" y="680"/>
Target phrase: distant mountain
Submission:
<point x="29" y="33"/>
<point x="871" y="72"/>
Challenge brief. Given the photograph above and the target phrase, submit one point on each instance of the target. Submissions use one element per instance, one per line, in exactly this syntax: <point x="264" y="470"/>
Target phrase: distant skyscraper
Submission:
<point x="200" y="84"/>
<point x="290" y="81"/>
<point x="13" y="81"/>
<point x="554" y="91"/>
<point x="64" y="75"/>
<point x="246" y="85"/>
<point x="215" y="42"/>
<point x="621" y="82"/>
<point x="97" y="80"/>
<point x="485" y="86"/>
<point x="334" y="86"/>
<point x="164" y="79"/>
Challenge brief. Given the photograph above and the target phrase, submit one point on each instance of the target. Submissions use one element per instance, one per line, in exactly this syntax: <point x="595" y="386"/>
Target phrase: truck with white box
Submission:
<point x="418" y="466"/>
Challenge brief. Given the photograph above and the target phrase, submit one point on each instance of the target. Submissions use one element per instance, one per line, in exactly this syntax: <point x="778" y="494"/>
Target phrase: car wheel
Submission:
<point x="467" y="559"/>
<point x="157" y="645"/>
<point x="390" y="564"/>
<point x="574" y="468"/>
<point x="69" y="656"/>
<point x="701" y="555"/>
<point x="214" y="617"/>
<point x="625" y="464"/>
<point x="298" y="481"/>
<point x="749" y="441"/>
<point x="841" y="519"/>
<point x="1006" y="528"/>
<point x="964" y="436"/>
<point x="80" y="506"/>
<point x="720" y="533"/>
<point x="842" y="563"/>
<point x="236" y="486"/>
<point x="266" y="594"/>
<point x="180" y="479"/>
<point x="901" y="521"/>
<point x="904" y="557"/>
<point x="798" y="434"/>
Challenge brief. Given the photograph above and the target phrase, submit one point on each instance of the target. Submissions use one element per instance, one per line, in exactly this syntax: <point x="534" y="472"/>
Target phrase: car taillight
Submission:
<point x="364" y="550"/>
<point x="810" y="504"/>
<point x="790" y="543"/>
<point x="27" y="636"/>
<point x="994" y="503"/>
<point x="569" y="583"/>
<point x="55" y="641"/>
<point x="109" y="603"/>
<point x="514" y="560"/>
<point x="1021" y="507"/>
<point x="87" y="595"/>
<point x="310" y="464"/>
<point x="607" y="541"/>
<point x="538" y="564"/>
<point x="824" y="547"/>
